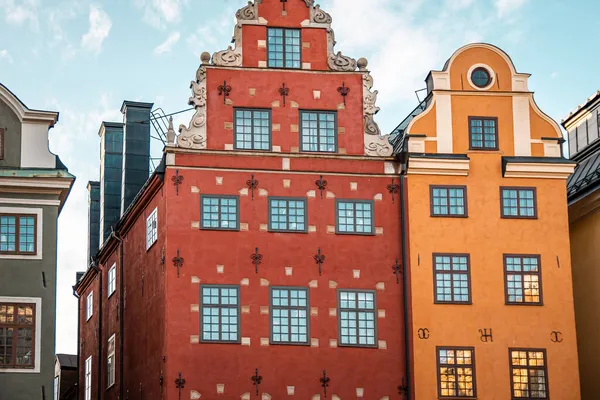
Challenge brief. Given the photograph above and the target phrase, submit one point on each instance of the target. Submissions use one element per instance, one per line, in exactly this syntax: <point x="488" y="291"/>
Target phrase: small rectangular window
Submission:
<point x="289" y="315"/>
<point x="56" y="388"/>
<point x="456" y="372"/>
<point x="17" y="332"/>
<point x="220" y="313"/>
<point x="252" y="129"/>
<point x="518" y="202"/>
<point x="1" y="144"/>
<point x="283" y="48"/>
<point x="355" y="217"/>
<point x="452" y="278"/>
<point x="89" y="306"/>
<point x="88" y="378"/>
<point x="318" y="131"/>
<point x="219" y="212"/>
<point x="287" y="214"/>
<point x="483" y="133"/>
<point x="151" y="228"/>
<point x="523" y="279"/>
<point x="18" y="234"/>
<point x="448" y="201"/>
<point x="529" y="374"/>
<point x="357" y="319"/>
<point x="110" y="362"/>
<point x="112" y="279"/>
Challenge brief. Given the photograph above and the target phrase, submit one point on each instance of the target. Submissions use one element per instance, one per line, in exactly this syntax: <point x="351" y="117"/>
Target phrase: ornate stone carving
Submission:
<point x="194" y="136"/>
<point x="375" y="144"/>
<point x="249" y="12"/>
<point x="319" y="16"/>
<point x="339" y="62"/>
<point x="228" y="58"/>
<point x="309" y="3"/>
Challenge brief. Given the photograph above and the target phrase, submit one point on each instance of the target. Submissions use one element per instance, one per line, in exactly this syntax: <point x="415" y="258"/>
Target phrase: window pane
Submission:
<point x="357" y="320"/>
<point x="287" y="215"/>
<point x="456" y="370"/>
<point x="283" y="48"/>
<point x="219" y="212"/>
<point x="452" y="279"/>
<point x="483" y="133"/>
<point x="522" y="276"/>
<point x="253" y="129"/>
<point x="220" y="313"/>
<point x="355" y="217"/>
<point x="318" y="131"/>
<point x="289" y="321"/>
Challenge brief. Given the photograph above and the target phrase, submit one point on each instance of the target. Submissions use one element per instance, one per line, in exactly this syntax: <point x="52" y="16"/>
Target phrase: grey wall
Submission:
<point x="12" y="137"/>
<point x="585" y="133"/>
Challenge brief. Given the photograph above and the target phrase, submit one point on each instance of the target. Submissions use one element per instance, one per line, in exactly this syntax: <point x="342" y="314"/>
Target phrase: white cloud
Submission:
<point x="506" y="7"/>
<point x="168" y="44"/>
<point x="159" y="13"/>
<point x="209" y="36"/>
<point x="19" y="12"/>
<point x="100" y="25"/>
<point x="4" y="54"/>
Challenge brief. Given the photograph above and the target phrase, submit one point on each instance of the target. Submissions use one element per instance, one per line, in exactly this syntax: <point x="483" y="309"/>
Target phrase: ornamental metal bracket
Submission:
<point x="325" y="380"/>
<point x="161" y="381"/>
<point x="393" y="189"/>
<point x="556" y="337"/>
<point x="256" y="380"/>
<point x="403" y="389"/>
<point x="224" y="90"/>
<point x="397" y="269"/>
<point x="423" y="333"/>
<point x="177" y="180"/>
<point x="343" y="90"/>
<point x="252" y="185"/>
<point x="256" y="259"/>
<point x="485" y="336"/>
<point x="162" y="259"/>
<point x="284" y="91"/>
<point x="319" y="259"/>
<point x="179" y="384"/>
<point x="283" y="4"/>
<point x="178" y="262"/>
<point x="321" y="184"/>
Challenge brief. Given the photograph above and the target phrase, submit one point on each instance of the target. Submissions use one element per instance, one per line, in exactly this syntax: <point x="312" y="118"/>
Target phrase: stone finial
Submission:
<point x="170" y="133"/>
<point x="205" y="57"/>
<point x="362" y="64"/>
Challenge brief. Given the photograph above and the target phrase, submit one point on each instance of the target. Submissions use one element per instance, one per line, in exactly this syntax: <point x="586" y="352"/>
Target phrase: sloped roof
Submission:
<point x="67" y="360"/>
<point x="586" y="177"/>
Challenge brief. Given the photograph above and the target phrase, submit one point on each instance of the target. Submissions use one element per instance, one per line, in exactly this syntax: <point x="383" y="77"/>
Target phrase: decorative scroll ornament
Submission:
<point x="375" y="144"/>
<point x="319" y="16"/>
<point x="309" y="3"/>
<point x="339" y="62"/>
<point x="247" y="13"/>
<point x="228" y="58"/>
<point x="194" y="136"/>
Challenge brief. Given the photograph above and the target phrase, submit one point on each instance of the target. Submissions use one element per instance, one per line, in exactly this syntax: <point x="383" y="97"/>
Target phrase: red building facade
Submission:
<point x="258" y="260"/>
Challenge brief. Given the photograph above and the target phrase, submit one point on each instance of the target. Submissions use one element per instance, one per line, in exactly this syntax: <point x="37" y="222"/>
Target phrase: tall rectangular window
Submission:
<point x="88" y="378"/>
<point x="18" y="234"/>
<point x="289" y="315"/>
<point x="220" y="313"/>
<point x="452" y="278"/>
<point x="252" y="129"/>
<point x="357" y="319"/>
<point x="152" y="228"/>
<point x="287" y="214"/>
<point x="110" y="362"/>
<point x="456" y="372"/>
<point x="17" y="332"/>
<point x="56" y="388"/>
<point x="318" y="131"/>
<point x="112" y="279"/>
<point x="518" y="202"/>
<point x="523" y="279"/>
<point x="355" y="217"/>
<point x="529" y="374"/>
<point x="89" y="306"/>
<point x="1" y="144"/>
<point x="448" y="201"/>
<point x="483" y="133"/>
<point x="219" y="212"/>
<point x="283" y="48"/>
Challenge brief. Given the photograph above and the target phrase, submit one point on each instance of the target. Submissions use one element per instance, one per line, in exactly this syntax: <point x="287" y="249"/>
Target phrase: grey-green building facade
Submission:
<point x="34" y="185"/>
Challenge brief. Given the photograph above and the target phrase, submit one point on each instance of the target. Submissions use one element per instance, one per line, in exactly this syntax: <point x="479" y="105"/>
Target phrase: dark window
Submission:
<point x="18" y="234"/>
<point x="220" y="319"/>
<point x="252" y="129"/>
<point x="318" y="131"/>
<point x="219" y="212"/>
<point x="452" y="278"/>
<point x="529" y="374"/>
<point x="283" y="48"/>
<point x="287" y="214"/>
<point x="456" y="372"/>
<point x="355" y="216"/>
<point x="17" y="329"/>
<point x="1" y="144"/>
<point x="357" y="318"/>
<point x="481" y="77"/>
<point x="448" y="201"/>
<point x="483" y="133"/>
<point x="573" y="141"/>
<point x="518" y="202"/>
<point x="289" y="315"/>
<point x="523" y="278"/>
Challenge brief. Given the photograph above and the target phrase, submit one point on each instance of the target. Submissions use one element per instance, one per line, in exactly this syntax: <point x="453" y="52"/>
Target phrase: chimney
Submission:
<point x="93" y="219"/>
<point x="136" y="150"/>
<point x="111" y="164"/>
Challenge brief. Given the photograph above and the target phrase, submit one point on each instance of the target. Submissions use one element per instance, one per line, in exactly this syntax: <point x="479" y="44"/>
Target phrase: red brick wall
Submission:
<point x="88" y="339"/>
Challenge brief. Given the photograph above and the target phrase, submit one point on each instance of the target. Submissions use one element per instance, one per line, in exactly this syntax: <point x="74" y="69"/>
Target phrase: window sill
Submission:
<point x="111" y="386"/>
<point x="357" y="346"/>
<point x="275" y="231"/>
<point x="354" y="233"/>
<point x="453" y="303"/>
<point x="525" y="304"/>
<point x="517" y="217"/>
<point x="449" y="216"/>
<point x="151" y="246"/>
<point x="221" y="229"/>
<point x="31" y="370"/>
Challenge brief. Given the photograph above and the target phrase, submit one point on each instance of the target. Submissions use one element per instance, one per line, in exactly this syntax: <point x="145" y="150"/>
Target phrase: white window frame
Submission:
<point x="110" y="362"/>
<point x="38" y="334"/>
<point x="112" y="279"/>
<point x="88" y="378"/>
<point x="151" y="232"/>
<point x="89" y="306"/>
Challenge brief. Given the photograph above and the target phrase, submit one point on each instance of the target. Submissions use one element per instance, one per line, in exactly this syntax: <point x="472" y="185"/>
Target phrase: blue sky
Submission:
<point x="83" y="58"/>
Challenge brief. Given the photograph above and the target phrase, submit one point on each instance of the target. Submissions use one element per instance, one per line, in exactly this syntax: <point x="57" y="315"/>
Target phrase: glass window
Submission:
<point x="89" y="306"/>
<point x="318" y="131"/>
<point x="18" y="234"/>
<point x="452" y="278"/>
<point x="529" y="374"/>
<point x="88" y="378"/>
<point x="151" y="228"/>
<point x="287" y="214"/>
<point x="573" y="142"/>
<point x="289" y="315"/>
<point x="112" y="279"/>
<point x="17" y="327"/>
<point x="1" y="144"/>
<point x="355" y="217"/>
<point x="456" y="372"/>
<point x="219" y="212"/>
<point x="357" y="319"/>
<point x="523" y="279"/>
<point x="483" y="133"/>
<point x="252" y="129"/>
<point x="518" y="202"/>
<point x="220" y="313"/>
<point x="481" y="77"/>
<point x="449" y="201"/>
<point x="283" y="48"/>
<point x="110" y="362"/>
<point x="56" y="388"/>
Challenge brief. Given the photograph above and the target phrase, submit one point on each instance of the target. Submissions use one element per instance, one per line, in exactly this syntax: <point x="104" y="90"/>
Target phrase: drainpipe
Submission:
<point x="78" y="337"/>
<point x="94" y="266"/>
<point x="405" y="281"/>
<point x="121" y="316"/>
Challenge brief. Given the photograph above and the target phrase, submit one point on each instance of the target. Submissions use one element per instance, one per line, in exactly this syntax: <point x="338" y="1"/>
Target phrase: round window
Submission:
<point x="481" y="77"/>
